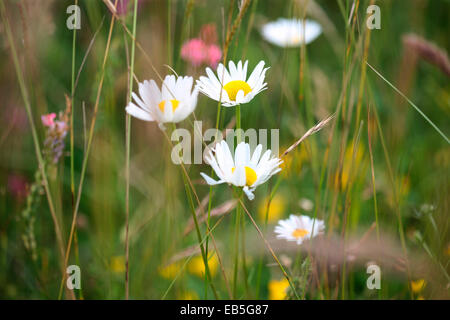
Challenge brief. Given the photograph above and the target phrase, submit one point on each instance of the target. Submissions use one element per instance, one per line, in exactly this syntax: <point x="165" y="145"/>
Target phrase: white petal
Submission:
<point x="252" y="80"/>
<point x="137" y="112"/>
<point x="238" y="177"/>
<point x="210" y="180"/>
<point x="256" y="155"/>
<point x="242" y="154"/>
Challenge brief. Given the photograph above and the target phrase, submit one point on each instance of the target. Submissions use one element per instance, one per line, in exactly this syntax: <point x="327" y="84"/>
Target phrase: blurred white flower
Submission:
<point x="245" y="170"/>
<point x="299" y="228"/>
<point x="173" y="103"/>
<point x="306" y="204"/>
<point x="237" y="89"/>
<point x="289" y="32"/>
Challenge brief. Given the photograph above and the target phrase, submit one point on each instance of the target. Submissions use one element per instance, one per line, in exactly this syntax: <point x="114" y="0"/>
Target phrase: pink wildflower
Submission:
<point x="194" y="51"/>
<point x="213" y="56"/>
<point x="48" y="119"/>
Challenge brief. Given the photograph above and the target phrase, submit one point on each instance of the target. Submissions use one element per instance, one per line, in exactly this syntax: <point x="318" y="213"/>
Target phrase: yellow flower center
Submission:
<point x="250" y="175"/>
<point x="174" y="102"/>
<point x="299" y="233"/>
<point x="233" y="87"/>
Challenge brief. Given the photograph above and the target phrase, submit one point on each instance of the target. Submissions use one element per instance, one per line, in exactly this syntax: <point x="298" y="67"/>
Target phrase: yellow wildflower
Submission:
<point x="276" y="208"/>
<point x="278" y="289"/>
<point x="197" y="267"/>
<point x="350" y="165"/>
<point x="188" y="295"/>
<point x="418" y="285"/>
<point x="169" y="271"/>
<point x="117" y="264"/>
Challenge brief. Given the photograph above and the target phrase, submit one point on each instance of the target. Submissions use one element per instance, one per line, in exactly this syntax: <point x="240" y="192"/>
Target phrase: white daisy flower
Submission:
<point x="237" y="89"/>
<point x="289" y="32"/>
<point x="299" y="228"/>
<point x="173" y="103"/>
<point x="245" y="170"/>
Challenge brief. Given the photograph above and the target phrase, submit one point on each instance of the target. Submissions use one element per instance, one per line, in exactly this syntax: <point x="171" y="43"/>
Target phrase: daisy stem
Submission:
<point x="238" y="207"/>
<point x="236" y="244"/>
<point x="244" y="263"/>
<point x="207" y="237"/>
<point x="197" y="228"/>
<point x="238" y="123"/>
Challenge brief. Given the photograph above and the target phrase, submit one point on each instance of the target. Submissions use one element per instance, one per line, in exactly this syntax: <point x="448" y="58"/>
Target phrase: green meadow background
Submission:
<point x="377" y="174"/>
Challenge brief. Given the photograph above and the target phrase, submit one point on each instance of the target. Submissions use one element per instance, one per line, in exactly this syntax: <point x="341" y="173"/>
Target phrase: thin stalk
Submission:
<point x="244" y="263"/>
<point x="271" y="194"/>
<point x="72" y="178"/>
<point x="270" y="250"/>
<point x="363" y="66"/>
<point x="127" y="158"/>
<point x="199" y="236"/>
<point x="374" y="190"/>
<point x="396" y="200"/>
<point x="169" y="33"/>
<point x="238" y="209"/>
<point x="72" y="169"/>
<point x="347" y="203"/>
<point x="190" y="257"/>
<point x="435" y="127"/>
<point x="236" y="245"/>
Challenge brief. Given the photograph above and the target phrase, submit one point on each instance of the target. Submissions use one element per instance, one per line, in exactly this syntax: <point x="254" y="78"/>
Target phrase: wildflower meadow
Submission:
<point x="224" y="149"/>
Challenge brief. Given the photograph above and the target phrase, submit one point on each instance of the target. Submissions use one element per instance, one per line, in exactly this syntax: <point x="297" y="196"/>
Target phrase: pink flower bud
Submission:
<point x="213" y="56"/>
<point x="194" y="51"/>
<point x="48" y="119"/>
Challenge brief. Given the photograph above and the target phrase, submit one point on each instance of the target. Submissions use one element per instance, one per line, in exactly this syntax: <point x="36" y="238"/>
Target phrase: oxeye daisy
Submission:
<point x="236" y="88"/>
<point x="173" y="103"/>
<point x="299" y="228"/>
<point x="289" y="32"/>
<point x="244" y="170"/>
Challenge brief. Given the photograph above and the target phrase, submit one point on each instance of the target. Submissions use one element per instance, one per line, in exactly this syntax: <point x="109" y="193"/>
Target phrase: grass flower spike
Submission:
<point x="289" y="32"/>
<point x="245" y="170"/>
<point x="299" y="228"/>
<point x="173" y="103"/>
<point x="237" y="89"/>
